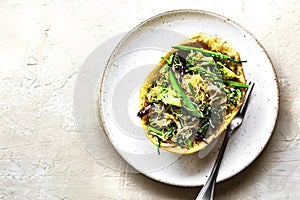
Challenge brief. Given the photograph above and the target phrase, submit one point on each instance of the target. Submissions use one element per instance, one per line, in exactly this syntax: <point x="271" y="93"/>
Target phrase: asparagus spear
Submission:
<point x="216" y="77"/>
<point x="236" y="84"/>
<point x="210" y="53"/>
<point x="155" y="130"/>
<point x="185" y="100"/>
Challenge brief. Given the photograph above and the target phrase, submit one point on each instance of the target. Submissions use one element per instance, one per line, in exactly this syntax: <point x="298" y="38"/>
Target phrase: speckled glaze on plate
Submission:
<point x="133" y="59"/>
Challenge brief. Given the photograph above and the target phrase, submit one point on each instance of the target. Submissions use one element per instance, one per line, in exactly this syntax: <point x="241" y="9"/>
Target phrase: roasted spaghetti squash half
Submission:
<point x="192" y="94"/>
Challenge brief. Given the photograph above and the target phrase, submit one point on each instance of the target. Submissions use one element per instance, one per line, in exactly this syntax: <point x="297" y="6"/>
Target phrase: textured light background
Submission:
<point x="42" y="47"/>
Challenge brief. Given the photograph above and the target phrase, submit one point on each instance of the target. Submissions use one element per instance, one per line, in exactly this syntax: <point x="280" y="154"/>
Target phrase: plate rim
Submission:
<point x="202" y="12"/>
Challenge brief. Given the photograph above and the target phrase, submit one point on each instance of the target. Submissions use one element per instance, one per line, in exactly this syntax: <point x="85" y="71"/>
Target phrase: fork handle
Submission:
<point x="207" y="191"/>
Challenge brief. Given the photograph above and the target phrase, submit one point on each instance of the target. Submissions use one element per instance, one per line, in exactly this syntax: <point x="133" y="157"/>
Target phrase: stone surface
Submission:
<point x="42" y="47"/>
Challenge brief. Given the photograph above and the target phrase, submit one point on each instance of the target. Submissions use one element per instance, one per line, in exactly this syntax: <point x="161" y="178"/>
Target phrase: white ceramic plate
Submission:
<point x="135" y="56"/>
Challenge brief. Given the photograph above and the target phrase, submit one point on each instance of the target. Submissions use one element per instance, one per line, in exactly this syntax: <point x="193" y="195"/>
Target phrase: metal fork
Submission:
<point x="207" y="190"/>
